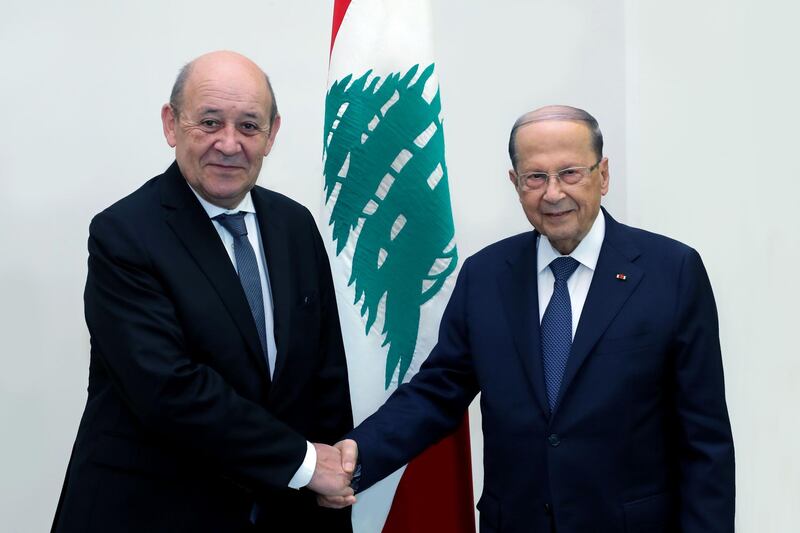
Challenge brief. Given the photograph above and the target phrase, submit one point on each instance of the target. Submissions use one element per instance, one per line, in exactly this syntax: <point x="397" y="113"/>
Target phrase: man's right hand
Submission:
<point x="330" y="480"/>
<point x="348" y="454"/>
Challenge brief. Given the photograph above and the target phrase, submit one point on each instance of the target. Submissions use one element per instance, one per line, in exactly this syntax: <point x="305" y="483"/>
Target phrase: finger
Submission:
<point x="331" y="502"/>
<point x="349" y="450"/>
<point x="341" y="491"/>
<point x="335" y="502"/>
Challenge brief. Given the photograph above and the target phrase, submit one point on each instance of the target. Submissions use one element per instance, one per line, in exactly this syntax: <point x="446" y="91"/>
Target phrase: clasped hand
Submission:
<point x="333" y="474"/>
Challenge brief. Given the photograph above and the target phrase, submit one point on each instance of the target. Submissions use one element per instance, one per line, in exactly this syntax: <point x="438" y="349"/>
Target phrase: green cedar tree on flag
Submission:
<point x="388" y="226"/>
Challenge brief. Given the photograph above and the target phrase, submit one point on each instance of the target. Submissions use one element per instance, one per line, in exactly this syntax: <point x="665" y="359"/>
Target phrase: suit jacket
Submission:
<point x="183" y="429"/>
<point x="639" y="439"/>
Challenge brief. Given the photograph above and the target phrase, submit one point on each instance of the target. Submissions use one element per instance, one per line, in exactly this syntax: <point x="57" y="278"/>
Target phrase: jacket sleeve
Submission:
<point x="706" y="478"/>
<point x="332" y="391"/>
<point x="137" y="338"/>
<point x="427" y="408"/>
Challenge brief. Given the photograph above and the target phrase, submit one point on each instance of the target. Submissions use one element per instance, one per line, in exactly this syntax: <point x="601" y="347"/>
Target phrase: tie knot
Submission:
<point x="563" y="267"/>
<point x="233" y="223"/>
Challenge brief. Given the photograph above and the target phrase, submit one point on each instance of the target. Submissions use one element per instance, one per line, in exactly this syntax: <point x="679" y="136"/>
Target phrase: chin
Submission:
<point x="560" y="231"/>
<point x="227" y="185"/>
<point x="560" y="236"/>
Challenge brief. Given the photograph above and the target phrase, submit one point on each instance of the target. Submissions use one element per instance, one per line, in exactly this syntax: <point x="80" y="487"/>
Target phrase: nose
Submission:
<point x="228" y="141"/>
<point x="552" y="190"/>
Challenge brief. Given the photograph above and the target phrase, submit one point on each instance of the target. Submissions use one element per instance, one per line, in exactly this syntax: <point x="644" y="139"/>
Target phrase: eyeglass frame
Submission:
<point x="557" y="176"/>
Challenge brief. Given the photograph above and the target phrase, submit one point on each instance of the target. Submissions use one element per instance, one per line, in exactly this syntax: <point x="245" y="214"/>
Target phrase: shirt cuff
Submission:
<point x="303" y="475"/>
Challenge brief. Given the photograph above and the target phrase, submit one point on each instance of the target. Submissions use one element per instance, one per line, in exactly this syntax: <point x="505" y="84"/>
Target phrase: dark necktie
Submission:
<point x="556" y="328"/>
<point x="247" y="267"/>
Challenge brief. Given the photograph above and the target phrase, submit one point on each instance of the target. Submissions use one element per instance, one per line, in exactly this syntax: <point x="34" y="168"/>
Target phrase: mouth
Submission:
<point x="224" y="167"/>
<point x="558" y="214"/>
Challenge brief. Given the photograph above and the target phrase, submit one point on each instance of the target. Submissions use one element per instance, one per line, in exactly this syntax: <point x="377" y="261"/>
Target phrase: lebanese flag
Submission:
<point x="388" y="227"/>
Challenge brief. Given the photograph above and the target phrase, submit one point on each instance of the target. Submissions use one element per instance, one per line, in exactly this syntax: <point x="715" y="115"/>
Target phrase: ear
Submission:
<point x="168" y="123"/>
<point x="604" y="176"/>
<point x="273" y="132"/>
<point x="512" y="176"/>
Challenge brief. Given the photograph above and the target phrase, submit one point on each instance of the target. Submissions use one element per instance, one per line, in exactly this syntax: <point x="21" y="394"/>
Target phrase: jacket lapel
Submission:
<point x="521" y="300"/>
<point x="274" y="237"/>
<point x="191" y="224"/>
<point x="606" y="296"/>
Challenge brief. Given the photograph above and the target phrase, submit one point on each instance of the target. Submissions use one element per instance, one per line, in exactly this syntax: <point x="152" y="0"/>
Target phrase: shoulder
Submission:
<point x="670" y="261"/>
<point x="497" y="253"/>
<point x="137" y="201"/>
<point x="127" y="226"/>
<point x="509" y="245"/>
<point x="281" y="205"/>
<point x="289" y="217"/>
<point x="135" y="210"/>
<point x="660" y="248"/>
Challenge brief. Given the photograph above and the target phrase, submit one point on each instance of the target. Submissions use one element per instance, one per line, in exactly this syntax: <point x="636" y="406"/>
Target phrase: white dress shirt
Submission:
<point x="303" y="475"/>
<point x="586" y="253"/>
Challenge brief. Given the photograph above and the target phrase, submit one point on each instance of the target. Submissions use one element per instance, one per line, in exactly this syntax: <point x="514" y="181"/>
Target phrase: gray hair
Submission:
<point x="176" y="96"/>
<point x="557" y="112"/>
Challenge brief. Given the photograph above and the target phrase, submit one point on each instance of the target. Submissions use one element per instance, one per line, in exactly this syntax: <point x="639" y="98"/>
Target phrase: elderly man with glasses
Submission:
<point x="595" y="348"/>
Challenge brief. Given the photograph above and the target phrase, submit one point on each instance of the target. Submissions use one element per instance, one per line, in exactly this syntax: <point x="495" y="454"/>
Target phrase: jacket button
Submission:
<point x="554" y="440"/>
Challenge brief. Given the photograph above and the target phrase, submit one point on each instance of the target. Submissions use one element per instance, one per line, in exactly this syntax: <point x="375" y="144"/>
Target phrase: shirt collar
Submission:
<point x="212" y="210"/>
<point x="586" y="253"/>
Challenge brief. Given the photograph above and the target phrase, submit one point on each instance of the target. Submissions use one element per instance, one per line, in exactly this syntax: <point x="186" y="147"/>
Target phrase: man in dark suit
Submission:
<point x="216" y="352"/>
<point x="596" y="351"/>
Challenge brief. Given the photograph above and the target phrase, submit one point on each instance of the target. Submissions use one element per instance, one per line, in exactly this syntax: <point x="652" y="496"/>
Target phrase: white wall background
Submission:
<point x="696" y="100"/>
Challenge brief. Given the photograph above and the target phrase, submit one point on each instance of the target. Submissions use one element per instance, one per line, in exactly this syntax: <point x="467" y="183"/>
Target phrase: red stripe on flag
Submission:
<point x="339" y="9"/>
<point x="435" y="492"/>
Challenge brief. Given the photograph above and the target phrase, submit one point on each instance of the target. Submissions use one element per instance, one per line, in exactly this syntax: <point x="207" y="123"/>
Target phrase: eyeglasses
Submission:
<point x="533" y="181"/>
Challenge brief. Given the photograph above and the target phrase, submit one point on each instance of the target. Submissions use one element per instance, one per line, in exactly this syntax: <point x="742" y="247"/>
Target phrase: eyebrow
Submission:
<point x="216" y="111"/>
<point x="559" y="170"/>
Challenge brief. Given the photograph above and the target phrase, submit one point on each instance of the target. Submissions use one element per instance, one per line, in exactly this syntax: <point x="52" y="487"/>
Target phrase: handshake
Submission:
<point x="333" y="474"/>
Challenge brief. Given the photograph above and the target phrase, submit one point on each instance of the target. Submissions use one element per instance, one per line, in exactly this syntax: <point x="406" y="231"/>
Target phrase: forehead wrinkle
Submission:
<point x="551" y="159"/>
<point x="558" y="159"/>
<point x="236" y="95"/>
<point x="242" y="107"/>
<point x="231" y="92"/>
<point x="209" y="110"/>
<point x="212" y="88"/>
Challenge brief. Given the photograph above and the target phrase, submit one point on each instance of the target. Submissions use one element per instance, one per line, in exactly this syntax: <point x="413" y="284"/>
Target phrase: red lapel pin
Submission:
<point x="622" y="277"/>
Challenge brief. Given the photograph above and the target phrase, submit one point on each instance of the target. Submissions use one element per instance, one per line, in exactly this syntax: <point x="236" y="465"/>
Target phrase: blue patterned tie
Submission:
<point x="557" y="328"/>
<point x="247" y="267"/>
